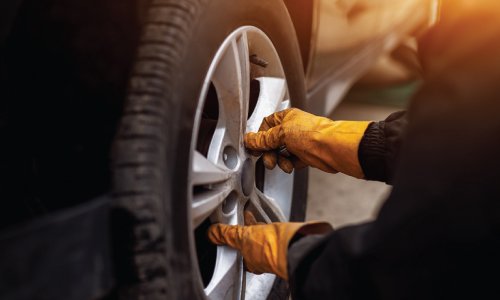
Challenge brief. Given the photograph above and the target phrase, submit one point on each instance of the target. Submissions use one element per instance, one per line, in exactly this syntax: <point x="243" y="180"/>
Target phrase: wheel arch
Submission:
<point x="302" y="15"/>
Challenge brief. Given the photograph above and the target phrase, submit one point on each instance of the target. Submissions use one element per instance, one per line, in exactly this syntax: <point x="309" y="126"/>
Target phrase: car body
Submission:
<point x="347" y="37"/>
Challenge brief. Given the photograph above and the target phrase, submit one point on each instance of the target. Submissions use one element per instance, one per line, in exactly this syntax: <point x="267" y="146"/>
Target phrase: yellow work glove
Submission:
<point x="264" y="247"/>
<point x="331" y="146"/>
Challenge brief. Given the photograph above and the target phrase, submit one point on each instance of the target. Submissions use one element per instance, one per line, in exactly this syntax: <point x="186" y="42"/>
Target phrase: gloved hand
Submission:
<point x="331" y="146"/>
<point x="264" y="246"/>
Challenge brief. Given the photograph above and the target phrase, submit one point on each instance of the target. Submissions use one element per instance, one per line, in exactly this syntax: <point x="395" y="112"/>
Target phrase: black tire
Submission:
<point x="151" y="151"/>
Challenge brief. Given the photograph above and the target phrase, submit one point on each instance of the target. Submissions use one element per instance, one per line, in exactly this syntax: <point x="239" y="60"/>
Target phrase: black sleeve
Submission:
<point x="324" y="267"/>
<point x="379" y="148"/>
<point x="437" y="236"/>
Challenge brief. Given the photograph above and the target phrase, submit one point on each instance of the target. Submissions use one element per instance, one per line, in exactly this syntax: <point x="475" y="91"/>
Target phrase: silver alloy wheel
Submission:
<point x="222" y="180"/>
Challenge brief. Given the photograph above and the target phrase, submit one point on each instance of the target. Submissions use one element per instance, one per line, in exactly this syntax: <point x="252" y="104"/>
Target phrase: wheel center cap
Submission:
<point x="247" y="177"/>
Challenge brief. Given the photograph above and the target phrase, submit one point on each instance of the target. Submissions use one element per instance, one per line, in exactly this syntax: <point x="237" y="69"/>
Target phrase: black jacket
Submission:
<point x="438" y="234"/>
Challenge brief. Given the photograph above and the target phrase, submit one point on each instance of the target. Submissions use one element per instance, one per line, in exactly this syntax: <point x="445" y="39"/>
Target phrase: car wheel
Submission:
<point x="206" y="73"/>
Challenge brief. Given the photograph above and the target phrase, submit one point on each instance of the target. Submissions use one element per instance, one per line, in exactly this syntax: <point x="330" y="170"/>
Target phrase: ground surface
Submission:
<point x="340" y="199"/>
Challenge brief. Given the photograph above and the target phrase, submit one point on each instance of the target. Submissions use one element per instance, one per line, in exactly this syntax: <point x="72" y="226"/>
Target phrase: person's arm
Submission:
<point x="331" y="146"/>
<point x="437" y="235"/>
<point x="361" y="149"/>
<point x="379" y="149"/>
<point x="324" y="266"/>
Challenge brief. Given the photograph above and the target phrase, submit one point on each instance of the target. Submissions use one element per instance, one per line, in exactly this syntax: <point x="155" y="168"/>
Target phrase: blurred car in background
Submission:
<point x="130" y="115"/>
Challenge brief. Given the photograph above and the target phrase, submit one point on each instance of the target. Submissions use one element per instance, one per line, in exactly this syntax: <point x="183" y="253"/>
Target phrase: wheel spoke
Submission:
<point x="270" y="207"/>
<point x="223" y="283"/>
<point x="232" y="83"/>
<point x="258" y="285"/>
<point x="205" y="203"/>
<point x="205" y="172"/>
<point x="272" y="93"/>
<point x="256" y="208"/>
<point x="276" y="179"/>
<point x="284" y="105"/>
<point x="244" y="62"/>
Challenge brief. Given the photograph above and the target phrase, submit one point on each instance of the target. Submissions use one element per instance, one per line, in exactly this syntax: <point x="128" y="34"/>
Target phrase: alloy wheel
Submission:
<point x="245" y="83"/>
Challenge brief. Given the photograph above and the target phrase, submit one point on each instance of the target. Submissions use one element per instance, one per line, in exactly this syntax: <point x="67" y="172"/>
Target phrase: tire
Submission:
<point x="152" y="157"/>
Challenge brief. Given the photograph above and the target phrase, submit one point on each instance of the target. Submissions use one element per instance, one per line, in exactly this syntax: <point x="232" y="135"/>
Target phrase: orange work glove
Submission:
<point x="331" y="146"/>
<point x="264" y="246"/>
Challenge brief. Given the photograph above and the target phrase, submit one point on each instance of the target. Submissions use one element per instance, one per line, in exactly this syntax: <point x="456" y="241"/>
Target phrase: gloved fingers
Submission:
<point x="285" y="164"/>
<point x="255" y="153"/>
<point x="268" y="123"/>
<point x="298" y="164"/>
<point x="230" y="235"/>
<point x="265" y="140"/>
<point x="274" y="119"/>
<point x="270" y="159"/>
<point x="216" y="234"/>
<point x="288" y="164"/>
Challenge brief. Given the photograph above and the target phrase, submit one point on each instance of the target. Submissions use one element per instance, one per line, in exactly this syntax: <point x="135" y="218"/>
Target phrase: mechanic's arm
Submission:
<point x="379" y="148"/>
<point x="360" y="149"/>
<point x="264" y="247"/>
<point x="433" y="238"/>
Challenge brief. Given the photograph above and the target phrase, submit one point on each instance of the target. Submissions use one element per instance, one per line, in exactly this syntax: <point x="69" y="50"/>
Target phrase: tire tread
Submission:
<point x="140" y="142"/>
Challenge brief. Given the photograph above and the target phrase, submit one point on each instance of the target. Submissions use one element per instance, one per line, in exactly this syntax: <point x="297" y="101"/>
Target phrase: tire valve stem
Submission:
<point x="254" y="59"/>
